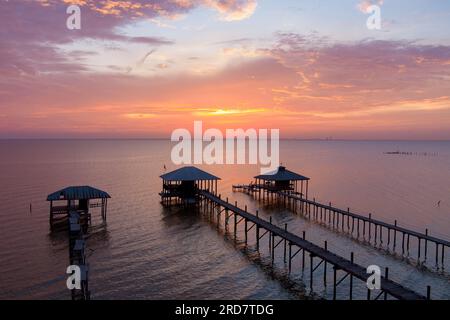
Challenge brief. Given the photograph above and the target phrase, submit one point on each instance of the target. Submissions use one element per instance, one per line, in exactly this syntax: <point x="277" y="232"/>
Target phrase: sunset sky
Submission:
<point x="142" y="68"/>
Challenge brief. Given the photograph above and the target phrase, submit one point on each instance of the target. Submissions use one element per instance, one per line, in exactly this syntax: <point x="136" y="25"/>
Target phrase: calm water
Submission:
<point x="147" y="252"/>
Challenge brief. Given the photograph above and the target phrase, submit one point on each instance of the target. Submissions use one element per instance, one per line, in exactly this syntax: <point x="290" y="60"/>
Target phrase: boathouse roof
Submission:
<point x="281" y="174"/>
<point x="188" y="174"/>
<point x="78" y="193"/>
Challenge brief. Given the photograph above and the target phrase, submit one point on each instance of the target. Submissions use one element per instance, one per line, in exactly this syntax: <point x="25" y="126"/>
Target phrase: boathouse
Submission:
<point x="182" y="186"/>
<point x="283" y="180"/>
<point x="76" y="200"/>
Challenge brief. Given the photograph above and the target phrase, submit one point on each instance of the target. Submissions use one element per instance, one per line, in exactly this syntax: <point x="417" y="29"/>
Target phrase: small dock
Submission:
<point x="76" y="199"/>
<point x="73" y="211"/>
<point x="350" y="269"/>
<point x="180" y="187"/>
<point x="375" y="232"/>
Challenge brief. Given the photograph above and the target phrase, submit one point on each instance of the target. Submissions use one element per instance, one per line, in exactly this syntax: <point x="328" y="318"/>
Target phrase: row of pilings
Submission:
<point x="314" y="258"/>
<point x="393" y="238"/>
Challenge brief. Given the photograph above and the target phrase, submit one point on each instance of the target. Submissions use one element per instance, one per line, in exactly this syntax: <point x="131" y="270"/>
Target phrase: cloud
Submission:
<point x="140" y="116"/>
<point x="364" y="5"/>
<point x="359" y="75"/>
<point x="220" y="112"/>
<point x="232" y="10"/>
<point x="298" y="78"/>
<point x="33" y="31"/>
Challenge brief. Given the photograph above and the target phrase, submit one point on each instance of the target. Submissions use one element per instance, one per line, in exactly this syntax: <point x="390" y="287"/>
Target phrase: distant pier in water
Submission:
<point x="409" y="153"/>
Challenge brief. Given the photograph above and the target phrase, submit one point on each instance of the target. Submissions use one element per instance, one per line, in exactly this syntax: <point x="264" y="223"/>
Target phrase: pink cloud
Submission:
<point x="360" y="75"/>
<point x="365" y="4"/>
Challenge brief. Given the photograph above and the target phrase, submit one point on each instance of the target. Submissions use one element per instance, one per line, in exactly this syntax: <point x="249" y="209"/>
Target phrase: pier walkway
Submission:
<point x="373" y="230"/>
<point x="349" y="267"/>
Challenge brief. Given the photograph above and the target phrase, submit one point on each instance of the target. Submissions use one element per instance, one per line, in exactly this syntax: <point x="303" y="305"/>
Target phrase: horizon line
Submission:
<point x="168" y="139"/>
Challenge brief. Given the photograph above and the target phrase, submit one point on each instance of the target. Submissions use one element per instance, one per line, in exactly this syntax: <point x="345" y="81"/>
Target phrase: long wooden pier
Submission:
<point x="300" y="244"/>
<point x="77" y="246"/>
<point x="375" y="232"/>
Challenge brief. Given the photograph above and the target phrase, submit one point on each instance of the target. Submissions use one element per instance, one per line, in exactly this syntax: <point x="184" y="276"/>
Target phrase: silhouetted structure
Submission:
<point x="283" y="180"/>
<point x="182" y="185"/>
<point x="76" y="200"/>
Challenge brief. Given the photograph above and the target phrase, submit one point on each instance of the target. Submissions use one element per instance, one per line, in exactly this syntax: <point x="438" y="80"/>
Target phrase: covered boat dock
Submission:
<point x="182" y="186"/>
<point x="76" y="199"/>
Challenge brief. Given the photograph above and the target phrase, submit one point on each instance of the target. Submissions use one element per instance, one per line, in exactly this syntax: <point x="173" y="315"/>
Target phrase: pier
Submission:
<point x="375" y="232"/>
<point x="200" y="188"/>
<point x="293" y="245"/>
<point x="180" y="187"/>
<point x="76" y="199"/>
<point x="75" y="214"/>
<point x="77" y="255"/>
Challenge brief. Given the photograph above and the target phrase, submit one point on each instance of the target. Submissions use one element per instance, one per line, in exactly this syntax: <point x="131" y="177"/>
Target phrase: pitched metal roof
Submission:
<point x="188" y="174"/>
<point x="281" y="174"/>
<point x="78" y="193"/>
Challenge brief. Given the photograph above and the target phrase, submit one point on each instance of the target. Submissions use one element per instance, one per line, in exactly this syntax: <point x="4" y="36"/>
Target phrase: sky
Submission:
<point x="143" y="68"/>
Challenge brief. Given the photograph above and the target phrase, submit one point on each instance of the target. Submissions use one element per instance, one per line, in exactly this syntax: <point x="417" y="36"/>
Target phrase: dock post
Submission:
<point x="290" y="256"/>
<point x="376" y="233"/>
<point x="352" y="256"/>
<point x="395" y="235"/>
<point x="270" y="236"/>
<point x="285" y="229"/>
<point x="245" y="230"/>
<point x="418" y="249"/>
<point x="311" y="272"/>
<point x="403" y="243"/>
<point x="381" y="235"/>
<point x="257" y="233"/>
<point x="389" y="237"/>
<point x="428" y="292"/>
<point x="303" y="253"/>
<point x="353" y="225"/>
<point x="333" y="217"/>
<point x="226" y="218"/>
<point x="235" y="226"/>
<point x="386" y="275"/>
<point x="334" y="282"/>
<point x="314" y="209"/>
<point x="364" y="229"/>
<point x="348" y="221"/>
<point x="357" y="226"/>
<point x="338" y="220"/>
<point x="437" y="255"/>
<point x="325" y="267"/>
<point x="407" y="245"/>
<point x="273" y="246"/>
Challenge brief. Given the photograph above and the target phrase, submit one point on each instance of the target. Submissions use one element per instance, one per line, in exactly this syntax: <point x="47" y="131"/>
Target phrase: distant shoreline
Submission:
<point x="167" y="139"/>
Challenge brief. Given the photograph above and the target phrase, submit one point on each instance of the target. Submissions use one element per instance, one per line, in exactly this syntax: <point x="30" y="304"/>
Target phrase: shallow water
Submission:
<point x="147" y="252"/>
